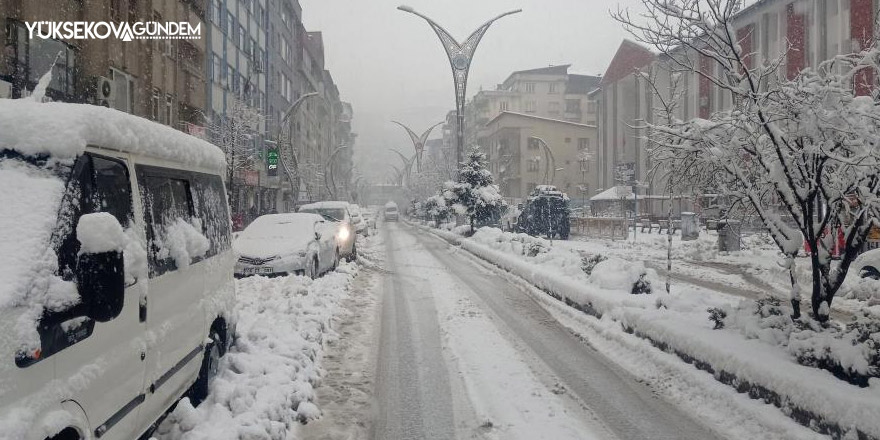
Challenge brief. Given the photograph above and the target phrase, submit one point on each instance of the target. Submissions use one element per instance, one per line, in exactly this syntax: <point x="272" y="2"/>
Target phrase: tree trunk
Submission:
<point x="795" y="295"/>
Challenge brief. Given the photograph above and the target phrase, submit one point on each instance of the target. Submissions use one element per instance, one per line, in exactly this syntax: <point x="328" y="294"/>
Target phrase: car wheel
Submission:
<point x="210" y="367"/>
<point x="336" y="259"/>
<point x="870" y="272"/>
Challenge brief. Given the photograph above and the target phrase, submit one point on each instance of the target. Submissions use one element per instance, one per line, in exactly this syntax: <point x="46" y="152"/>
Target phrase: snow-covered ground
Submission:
<point x="747" y="355"/>
<point x="266" y="384"/>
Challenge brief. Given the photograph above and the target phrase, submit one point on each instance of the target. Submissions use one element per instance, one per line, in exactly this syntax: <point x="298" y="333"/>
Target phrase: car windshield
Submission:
<point x="331" y="214"/>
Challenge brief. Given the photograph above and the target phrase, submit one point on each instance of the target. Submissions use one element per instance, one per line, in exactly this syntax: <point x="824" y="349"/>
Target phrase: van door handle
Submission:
<point x="142" y="312"/>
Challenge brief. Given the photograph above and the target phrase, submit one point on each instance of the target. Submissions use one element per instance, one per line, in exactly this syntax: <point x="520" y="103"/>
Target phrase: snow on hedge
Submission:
<point x="266" y="382"/>
<point x="679" y="323"/>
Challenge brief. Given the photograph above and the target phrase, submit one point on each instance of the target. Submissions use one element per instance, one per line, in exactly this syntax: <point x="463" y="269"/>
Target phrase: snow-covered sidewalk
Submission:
<point x="265" y="386"/>
<point x="677" y="323"/>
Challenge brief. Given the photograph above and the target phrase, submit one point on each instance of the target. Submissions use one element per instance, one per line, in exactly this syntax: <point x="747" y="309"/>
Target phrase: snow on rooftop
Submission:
<point x="64" y="130"/>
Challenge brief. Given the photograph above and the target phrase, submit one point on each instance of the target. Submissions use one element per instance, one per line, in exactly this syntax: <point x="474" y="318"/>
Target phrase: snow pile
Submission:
<point x="266" y="381"/>
<point x="851" y="351"/>
<point x="677" y="323"/>
<point x="182" y="241"/>
<point x="100" y="232"/>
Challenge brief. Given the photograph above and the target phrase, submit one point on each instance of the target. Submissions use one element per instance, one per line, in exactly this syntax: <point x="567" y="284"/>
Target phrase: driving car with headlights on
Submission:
<point x="337" y="213"/>
<point x="283" y="244"/>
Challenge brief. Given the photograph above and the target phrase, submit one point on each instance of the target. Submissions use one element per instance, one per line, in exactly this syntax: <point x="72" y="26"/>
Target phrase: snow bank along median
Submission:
<point x="678" y="324"/>
<point x="266" y="382"/>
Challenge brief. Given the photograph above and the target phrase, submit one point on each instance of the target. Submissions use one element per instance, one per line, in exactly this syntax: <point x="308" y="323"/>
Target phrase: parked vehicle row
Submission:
<point x="117" y="264"/>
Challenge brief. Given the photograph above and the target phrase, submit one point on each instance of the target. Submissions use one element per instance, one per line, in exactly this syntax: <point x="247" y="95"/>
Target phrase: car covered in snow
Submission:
<point x="337" y="213"/>
<point x="867" y="265"/>
<point x="391" y="213"/>
<point x="284" y="244"/>
<point x="357" y="219"/>
<point x="116" y="287"/>
<point x="546" y="212"/>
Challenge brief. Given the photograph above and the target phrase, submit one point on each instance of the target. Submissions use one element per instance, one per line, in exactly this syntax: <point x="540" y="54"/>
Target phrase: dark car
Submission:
<point x="546" y="212"/>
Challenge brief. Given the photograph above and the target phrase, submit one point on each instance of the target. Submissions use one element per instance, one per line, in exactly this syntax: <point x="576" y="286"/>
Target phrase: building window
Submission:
<point x="572" y="105"/>
<point x="218" y="71"/>
<point x="154" y="105"/>
<point x="242" y="38"/>
<point x="591" y="106"/>
<point x="530" y="87"/>
<point x="169" y="109"/>
<point x="502" y="106"/>
<point x="115" y="10"/>
<point x="230" y="25"/>
<point x="217" y="12"/>
<point x="27" y="60"/>
<point x="533" y="165"/>
<point x="532" y="144"/>
<point x="553" y="108"/>
<point x="531" y="106"/>
<point x="583" y="144"/>
<point x="553" y="88"/>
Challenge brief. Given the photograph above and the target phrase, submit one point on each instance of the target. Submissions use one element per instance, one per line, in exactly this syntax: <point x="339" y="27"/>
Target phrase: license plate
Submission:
<point x="257" y="270"/>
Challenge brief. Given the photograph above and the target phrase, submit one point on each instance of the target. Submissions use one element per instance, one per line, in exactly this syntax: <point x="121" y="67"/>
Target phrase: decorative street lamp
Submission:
<point x="460" y="56"/>
<point x="329" y="180"/>
<point x="287" y="155"/>
<point x="550" y="162"/>
<point x="418" y="142"/>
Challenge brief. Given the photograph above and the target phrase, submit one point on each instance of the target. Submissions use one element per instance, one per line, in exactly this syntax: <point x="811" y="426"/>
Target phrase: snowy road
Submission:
<point x="465" y="353"/>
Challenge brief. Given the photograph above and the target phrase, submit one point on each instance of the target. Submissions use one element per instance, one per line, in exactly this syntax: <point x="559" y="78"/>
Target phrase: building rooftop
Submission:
<point x="582" y="84"/>
<point x="541" y="118"/>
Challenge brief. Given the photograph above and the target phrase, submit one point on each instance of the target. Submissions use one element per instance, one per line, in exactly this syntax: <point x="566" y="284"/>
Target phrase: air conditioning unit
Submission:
<point x="105" y="92"/>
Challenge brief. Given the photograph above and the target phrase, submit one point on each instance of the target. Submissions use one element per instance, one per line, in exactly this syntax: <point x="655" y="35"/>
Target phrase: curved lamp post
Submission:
<point x="460" y="56"/>
<point x="286" y="153"/>
<point x="407" y="166"/>
<point x="549" y="163"/>
<point x="329" y="182"/>
<point x="418" y="142"/>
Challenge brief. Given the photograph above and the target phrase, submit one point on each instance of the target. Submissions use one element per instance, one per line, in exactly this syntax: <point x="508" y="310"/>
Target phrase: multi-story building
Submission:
<point x="547" y="102"/>
<point x="519" y="162"/>
<point x="804" y="32"/>
<point x="159" y="79"/>
<point x="237" y="99"/>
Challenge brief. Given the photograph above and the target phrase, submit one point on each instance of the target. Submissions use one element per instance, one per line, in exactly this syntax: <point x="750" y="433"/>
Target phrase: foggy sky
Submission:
<point x="391" y="66"/>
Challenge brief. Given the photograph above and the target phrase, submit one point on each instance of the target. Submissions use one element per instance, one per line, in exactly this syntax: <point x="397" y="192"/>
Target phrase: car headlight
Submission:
<point x="343" y="233"/>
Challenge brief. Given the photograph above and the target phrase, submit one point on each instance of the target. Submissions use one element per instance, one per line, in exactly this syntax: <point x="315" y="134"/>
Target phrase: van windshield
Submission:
<point x="32" y="192"/>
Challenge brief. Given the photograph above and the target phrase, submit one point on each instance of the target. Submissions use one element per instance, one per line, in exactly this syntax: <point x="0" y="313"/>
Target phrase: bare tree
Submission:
<point x="801" y="153"/>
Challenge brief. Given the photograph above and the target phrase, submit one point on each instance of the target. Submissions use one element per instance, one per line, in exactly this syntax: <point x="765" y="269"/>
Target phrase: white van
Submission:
<point x="115" y="271"/>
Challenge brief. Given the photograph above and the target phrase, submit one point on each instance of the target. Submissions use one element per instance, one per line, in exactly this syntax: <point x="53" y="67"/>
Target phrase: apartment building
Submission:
<point x="159" y="79"/>
<point x="519" y="161"/>
<point x="804" y="32"/>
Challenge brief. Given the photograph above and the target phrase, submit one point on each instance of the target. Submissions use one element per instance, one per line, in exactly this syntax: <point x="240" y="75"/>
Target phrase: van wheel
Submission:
<point x="210" y="367"/>
<point x="354" y="253"/>
<point x="66" y="434"/>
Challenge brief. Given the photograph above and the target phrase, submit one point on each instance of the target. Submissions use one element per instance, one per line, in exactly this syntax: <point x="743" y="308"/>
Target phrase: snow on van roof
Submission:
<point x="64" y="130"/>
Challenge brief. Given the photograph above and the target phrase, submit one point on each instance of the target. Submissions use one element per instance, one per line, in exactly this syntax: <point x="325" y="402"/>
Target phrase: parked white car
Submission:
<point x="116" y="285"/>
<point x="283" y="244"/>
<point x="337" y="213"/>
<point x="357" y="219"/>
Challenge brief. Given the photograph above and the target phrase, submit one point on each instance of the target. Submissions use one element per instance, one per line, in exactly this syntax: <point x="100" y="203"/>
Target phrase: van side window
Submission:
<point x="167" y="200"/>
<point x="211" y="207"/>
<point x="97" y="184"/>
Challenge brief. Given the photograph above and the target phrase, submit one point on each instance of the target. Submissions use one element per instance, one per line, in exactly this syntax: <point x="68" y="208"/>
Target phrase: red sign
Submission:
<point x="251" y="178"/>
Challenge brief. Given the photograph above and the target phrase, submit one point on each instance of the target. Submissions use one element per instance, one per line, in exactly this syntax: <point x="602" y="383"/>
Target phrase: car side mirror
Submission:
<point x="317" y="235"/>
<point x="100" y="268"/>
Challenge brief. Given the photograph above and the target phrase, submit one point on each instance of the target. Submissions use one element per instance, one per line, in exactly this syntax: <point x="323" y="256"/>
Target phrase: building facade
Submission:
<point x="519" y="162"/>
<point x="159" y="79"/>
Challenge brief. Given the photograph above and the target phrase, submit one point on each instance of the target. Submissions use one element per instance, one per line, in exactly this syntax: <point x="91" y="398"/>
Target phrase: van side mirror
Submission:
<point x="101" y="282"/>
<point x="100" y="268"/>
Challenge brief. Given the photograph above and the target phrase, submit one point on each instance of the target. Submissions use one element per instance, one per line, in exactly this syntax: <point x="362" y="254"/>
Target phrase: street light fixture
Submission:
<point x="550" y="162"/>
<point x="286" y="154"/>
<point x="460" y="56"/>
<point x="418" y="142"/>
